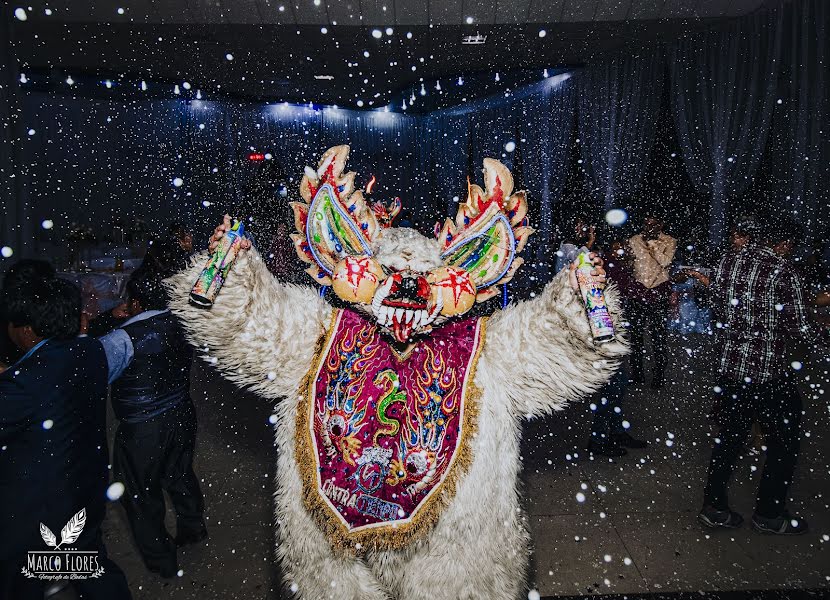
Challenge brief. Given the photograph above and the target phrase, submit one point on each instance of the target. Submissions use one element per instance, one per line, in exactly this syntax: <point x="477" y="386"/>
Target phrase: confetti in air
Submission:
<point x="115" y="490"/>
<point x="616" y="217"/>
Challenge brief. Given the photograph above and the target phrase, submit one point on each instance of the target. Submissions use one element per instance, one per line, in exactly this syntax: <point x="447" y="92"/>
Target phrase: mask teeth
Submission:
<point x="430" y="316"/>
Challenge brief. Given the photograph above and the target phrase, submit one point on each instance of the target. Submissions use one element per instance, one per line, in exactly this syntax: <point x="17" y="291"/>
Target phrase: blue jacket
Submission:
<point x="53" y="444"/>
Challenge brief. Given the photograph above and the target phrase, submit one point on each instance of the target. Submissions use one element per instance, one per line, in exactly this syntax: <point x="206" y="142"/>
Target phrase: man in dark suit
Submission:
<point x="149" y="368"/>
<point x="53" y="445"/>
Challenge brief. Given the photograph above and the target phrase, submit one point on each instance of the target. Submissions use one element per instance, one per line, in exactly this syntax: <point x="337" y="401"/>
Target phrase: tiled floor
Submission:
<point x="634" y="532"/>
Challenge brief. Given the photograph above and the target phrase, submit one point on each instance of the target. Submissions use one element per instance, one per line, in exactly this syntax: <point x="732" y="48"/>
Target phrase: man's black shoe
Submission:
<point x="715" y="518"/>
<point x="187" y="538"/>
<point x="783" y="525"/>
<point x="657" y="382"/>
<point x="609" y="449"/>
<point x="167" y="571"/>
<point x="626" y="441"/>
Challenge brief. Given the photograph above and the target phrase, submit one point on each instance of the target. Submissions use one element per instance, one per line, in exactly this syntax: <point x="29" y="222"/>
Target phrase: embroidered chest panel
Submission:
<point x="382" y="438"/>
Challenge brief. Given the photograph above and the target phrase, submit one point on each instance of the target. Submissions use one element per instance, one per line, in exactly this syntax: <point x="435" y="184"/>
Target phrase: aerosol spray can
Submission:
<point x="216" y="269"/>
<point x="602" y="327"/>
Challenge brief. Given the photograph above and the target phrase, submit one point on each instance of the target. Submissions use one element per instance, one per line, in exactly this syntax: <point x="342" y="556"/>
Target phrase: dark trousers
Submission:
<point x="608" y="412"/>
<point x="152" y="456"/>
<point x="777" y="406"/>
<point x="650" y="317"/>
<point x="111" y="585"/>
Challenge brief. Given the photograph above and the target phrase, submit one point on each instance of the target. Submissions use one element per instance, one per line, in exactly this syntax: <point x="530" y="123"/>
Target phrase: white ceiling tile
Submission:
<point x="378" y="12"/>
<point x="483" y="12"/>
<point x="446" y="12"/>
<point x="344" y="12"/>
<point x="512" y="11"/>
<point x="270" y="13"/>
<point x="579" y="11"/>
<point x="545" y="11"/>
<point x="411" y="12"/>
<point x="240" y="11"/>
<point x="308" y="13"/>
<point x="613" y="10"/>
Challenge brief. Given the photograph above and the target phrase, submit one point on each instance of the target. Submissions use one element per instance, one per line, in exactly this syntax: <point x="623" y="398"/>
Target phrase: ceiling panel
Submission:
<point x="377" y="12"/>
<point x="545" y="11"/>
<point x="742" y="7"/>
<point x="613" y="10"/>
<point x="579" y="11"/>
<point x="646" y="9"/>
<point x="718" y="8"/>
<point x="483" y="12"/>
<point x="678" y="9"/>
<point x="240" y="11"/>
<point x="270" y="12"/>
<point x="309" y="13"/>
<point x="512" y="11"/>
<point x="344" y="12"/>
<point x="446" y="12"/>
<point x="409" y="12"/>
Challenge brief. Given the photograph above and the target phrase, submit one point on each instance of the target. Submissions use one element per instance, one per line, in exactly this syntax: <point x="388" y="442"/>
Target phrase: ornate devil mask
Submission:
<point x="408" y="283"/>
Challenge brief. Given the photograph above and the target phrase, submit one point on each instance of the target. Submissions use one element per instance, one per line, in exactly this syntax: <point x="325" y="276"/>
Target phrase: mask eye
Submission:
<point x="456" y="287"/>
<point x="356" y="278"/>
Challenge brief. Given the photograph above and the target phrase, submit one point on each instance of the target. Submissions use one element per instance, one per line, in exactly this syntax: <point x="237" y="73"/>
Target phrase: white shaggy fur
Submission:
<point x="538" y="355"/>
<point x="402" y="248"/>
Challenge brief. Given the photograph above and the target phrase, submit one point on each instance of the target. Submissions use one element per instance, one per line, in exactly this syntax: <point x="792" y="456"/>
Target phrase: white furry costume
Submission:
<point x="536" y="357"/>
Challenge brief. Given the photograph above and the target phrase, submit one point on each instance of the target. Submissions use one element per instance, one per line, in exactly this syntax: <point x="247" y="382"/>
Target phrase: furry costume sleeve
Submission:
<point x="260" y="333"/>
<point x="540" y="354"/>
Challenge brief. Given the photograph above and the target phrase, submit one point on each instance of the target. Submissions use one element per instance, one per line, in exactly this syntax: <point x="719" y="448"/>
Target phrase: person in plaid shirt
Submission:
<point x="760" y="303"/>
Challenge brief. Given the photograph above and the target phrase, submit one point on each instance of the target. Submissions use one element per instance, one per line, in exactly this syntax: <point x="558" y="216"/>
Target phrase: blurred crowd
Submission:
<point x="755" y="299"/>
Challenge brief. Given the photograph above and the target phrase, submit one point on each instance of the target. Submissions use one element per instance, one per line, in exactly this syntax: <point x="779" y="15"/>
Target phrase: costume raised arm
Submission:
<point x="260" y="333"/>
<point x="540" y="354"/>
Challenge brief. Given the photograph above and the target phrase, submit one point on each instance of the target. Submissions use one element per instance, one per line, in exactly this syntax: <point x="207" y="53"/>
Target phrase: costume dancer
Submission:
<point x="398" y="417"/>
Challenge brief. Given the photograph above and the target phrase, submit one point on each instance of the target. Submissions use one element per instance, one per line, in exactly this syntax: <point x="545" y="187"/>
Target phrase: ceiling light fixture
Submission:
<point x="473" y="40"/>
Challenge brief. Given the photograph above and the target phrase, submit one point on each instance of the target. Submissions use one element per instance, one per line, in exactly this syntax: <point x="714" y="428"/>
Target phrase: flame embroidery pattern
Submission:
<point x="338" y="423"/>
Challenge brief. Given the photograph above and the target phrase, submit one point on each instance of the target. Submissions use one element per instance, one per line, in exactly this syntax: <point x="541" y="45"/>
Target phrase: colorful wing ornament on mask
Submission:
<point x="490" y="230"/>
<point x="334" y="221"/>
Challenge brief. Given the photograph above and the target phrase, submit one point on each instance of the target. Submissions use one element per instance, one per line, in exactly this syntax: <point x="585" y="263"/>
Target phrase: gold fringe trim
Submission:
<point x="388" y="537"/>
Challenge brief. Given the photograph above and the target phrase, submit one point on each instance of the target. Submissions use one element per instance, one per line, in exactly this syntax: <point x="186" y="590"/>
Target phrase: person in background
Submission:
<point x="759" y="299"/>
<point x="149" y="369"/>
<point x="169" y="253"/>
<point x="652" y="252"/>
<point x="54" y="459"/>
<point x="21" y="272"/>
<point x="609" y="435"/>
<point x="581" y="236"/>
